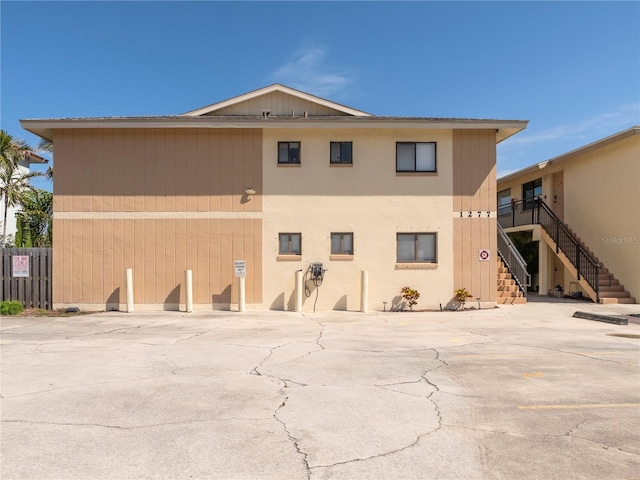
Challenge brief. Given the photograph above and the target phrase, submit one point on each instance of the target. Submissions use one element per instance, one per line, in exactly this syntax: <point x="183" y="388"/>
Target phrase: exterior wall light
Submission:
<point x="250" y="191"/>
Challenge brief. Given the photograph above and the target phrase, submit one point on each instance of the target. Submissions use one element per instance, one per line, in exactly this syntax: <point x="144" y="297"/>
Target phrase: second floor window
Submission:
<point x="415" y="157"/>
<point x="341" y="152"/>
<point x="289" y="152"/>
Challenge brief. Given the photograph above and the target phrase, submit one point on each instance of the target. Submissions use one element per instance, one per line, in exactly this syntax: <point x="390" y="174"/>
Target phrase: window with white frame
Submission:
<point x="341" y="153"/>
<point x="290" y="244"/>
<point x="416" y="248"/>
<point x="342" y="244"/>
<point x="289" y="153"/>
<point x="416" y="157"/>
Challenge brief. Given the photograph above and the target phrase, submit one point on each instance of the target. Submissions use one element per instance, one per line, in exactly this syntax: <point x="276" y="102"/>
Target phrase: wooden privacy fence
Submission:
<point x="26" y="276"/>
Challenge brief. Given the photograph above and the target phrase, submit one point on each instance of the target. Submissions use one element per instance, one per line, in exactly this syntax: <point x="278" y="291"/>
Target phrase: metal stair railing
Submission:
<point x="536" y="212"/>
<point x="513" y="260"/>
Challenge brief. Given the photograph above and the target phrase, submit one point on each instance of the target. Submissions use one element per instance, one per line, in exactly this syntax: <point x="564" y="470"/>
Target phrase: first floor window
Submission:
<point x="341" y="152"/>
<point x="415" y="157"/>
<point x="342" y="244"/>
<point x="416" y="248"/>
<point x="289" y="152"/>
<point x="290" y="244"/>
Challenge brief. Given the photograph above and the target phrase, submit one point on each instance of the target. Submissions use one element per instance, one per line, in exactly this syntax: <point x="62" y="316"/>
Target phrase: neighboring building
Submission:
<point x="281" y="179"/>
<point x="24" y="166"/>
<point x="595" y="192"/>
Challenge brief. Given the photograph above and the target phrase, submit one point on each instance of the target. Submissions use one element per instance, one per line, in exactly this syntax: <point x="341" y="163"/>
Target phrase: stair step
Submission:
<point x="511" y="300"/>
<point x="517" y="293"/>
<point x="620" y="294"/>
<point x="627" y="300"/>
<point x="508" y="288"/>
<point x="612" y="288"/>
<point x="504" y="276"/>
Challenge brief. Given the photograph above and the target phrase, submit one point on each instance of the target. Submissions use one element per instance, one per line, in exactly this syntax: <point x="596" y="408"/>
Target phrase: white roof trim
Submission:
<point x="276" y="88"/>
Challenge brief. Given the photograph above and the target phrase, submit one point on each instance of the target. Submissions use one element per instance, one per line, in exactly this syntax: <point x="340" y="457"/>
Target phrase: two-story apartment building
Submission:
<point x="281" y="179"/>
<point x="583" y="207"/>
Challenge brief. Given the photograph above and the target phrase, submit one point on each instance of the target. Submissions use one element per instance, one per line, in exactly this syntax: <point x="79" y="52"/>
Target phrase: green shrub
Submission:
<point x="10" y="307"/>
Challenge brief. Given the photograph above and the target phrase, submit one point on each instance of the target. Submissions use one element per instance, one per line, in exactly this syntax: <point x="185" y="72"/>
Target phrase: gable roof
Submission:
<point x="223" y="107"/>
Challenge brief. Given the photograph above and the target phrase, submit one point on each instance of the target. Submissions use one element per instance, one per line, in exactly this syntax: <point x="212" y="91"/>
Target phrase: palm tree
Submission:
<point x="13" y="181"/>
<point x="45" y="145"/>
<point x="34" y="219"/>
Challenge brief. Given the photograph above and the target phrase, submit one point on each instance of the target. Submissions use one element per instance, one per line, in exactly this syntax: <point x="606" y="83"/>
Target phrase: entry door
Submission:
<point x="558" y="194"/>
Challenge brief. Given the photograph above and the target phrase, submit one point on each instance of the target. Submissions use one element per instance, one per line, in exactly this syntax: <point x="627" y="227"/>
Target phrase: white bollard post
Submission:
<point x="129" y="290"/>
<point x="298" y="291"/>
<point x="188" y="290"/>
<point x="241" y="298"/>
<point x="364" y="291"/>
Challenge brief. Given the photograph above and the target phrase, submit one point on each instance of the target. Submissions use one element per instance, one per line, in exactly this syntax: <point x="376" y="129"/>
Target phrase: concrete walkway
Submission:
<point x="516" y="392"/>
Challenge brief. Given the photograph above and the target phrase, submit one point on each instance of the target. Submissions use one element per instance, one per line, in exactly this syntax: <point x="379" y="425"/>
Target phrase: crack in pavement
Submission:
<point x="439" y="425"/>
<point x="292" y="439"/>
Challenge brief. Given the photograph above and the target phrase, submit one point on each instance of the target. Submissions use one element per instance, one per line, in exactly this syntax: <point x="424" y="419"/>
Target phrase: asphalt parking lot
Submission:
<point x="519" y="392"/>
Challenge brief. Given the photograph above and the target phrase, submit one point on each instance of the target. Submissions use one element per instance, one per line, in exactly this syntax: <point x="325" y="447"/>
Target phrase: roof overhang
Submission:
<point x="45" y="127"/>
<point x="635" y="130"/>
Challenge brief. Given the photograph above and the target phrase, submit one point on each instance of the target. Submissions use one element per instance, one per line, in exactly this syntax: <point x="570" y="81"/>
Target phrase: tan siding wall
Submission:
<point x="474" y="189"/>
<point x="157" y="170"/>
<point x="158" y="201"/>
<point x="279" y="103"/>
<point x="91" y="256"/>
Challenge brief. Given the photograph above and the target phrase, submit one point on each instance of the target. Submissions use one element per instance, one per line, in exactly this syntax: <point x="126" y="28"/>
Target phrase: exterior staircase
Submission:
<point x="596" y="281"/>
<point x="509" y="292"/>
<point x="609" y="287"/>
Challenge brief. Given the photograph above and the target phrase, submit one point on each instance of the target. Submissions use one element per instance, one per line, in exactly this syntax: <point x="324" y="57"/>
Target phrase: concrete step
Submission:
<point x="620" y="294"/>
<point x="516" y="293"/>
<point x="626" y="300"/>
<point x="508" y="288"/>
<point x="612" y="288"/>
<point x="504" y="276"/>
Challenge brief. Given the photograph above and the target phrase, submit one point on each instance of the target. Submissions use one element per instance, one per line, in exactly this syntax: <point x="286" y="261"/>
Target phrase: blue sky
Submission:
<point x="571" y="68"/>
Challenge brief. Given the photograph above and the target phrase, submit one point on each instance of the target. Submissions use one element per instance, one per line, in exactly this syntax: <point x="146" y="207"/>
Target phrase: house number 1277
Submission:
<point x="478" y="214"/>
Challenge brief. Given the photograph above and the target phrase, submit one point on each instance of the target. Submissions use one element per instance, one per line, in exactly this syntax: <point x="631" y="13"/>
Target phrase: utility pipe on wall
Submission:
<point x="129" y="290"/>
<point x="298" y="307"/>
<point x="364" y="291"/>
<point x="188" y="290"/>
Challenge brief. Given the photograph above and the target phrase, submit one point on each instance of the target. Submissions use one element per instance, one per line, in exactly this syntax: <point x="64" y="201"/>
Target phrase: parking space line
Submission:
<point x="577" y="406"/>
<point x="512" y="355"/>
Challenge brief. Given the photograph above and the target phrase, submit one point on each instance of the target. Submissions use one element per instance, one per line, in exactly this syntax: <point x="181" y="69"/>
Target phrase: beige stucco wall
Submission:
<point x="371" y="200"/>
<point x="601" y="205"/>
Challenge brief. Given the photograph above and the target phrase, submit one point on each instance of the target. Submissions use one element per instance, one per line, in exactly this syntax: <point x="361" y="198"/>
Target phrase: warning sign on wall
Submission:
<point x="20" y="265"/>
<point x="483" y="255"/>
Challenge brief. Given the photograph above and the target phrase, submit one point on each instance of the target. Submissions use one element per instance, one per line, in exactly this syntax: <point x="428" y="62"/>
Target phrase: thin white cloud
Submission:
<point x="532" y="146"/>
<point x="308" y="70"/>
<point x="603" y="124"/>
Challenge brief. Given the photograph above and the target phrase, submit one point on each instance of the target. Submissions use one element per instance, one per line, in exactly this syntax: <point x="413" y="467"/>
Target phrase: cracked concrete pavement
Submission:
<point x="515" y="392"/>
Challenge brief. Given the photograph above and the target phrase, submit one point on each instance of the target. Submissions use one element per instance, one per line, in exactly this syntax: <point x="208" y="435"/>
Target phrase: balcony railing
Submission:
<point x="514" y="261"/>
